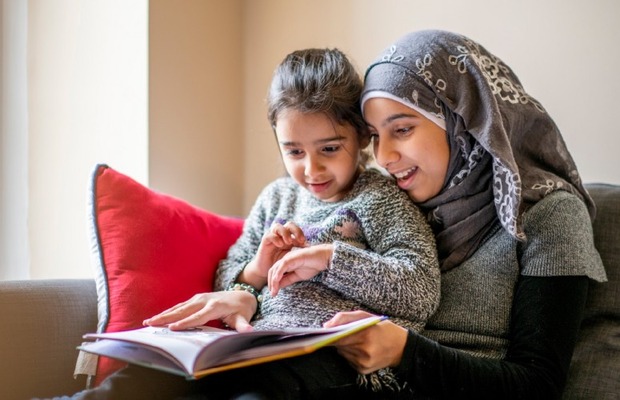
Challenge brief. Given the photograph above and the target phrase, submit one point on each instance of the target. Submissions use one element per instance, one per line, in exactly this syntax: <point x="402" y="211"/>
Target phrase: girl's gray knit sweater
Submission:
<point x="384" y="257"/>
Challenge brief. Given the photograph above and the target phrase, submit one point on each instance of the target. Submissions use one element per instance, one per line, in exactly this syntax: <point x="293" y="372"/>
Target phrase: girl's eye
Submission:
<point x="331" y="149"/>
<point x="294" y="152"/>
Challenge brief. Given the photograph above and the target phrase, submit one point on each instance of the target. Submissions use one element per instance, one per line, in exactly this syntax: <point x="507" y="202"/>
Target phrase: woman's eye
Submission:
<point x="403" y="131"/>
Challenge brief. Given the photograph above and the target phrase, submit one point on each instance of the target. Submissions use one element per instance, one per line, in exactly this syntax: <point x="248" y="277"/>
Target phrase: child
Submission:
<point x="345" y="235"/>
<point x="331" y="236"/>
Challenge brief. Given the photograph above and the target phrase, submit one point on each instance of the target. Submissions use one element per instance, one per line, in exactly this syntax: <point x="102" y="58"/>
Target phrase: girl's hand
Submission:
<point x="234" y="308"/>
<point x="299" y="265"/>
<point x="275" y="244"/>
<point x="371" y="349"/>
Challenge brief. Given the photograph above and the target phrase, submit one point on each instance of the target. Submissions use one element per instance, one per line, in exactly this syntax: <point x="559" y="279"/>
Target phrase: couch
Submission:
<point x="42" y="322"/>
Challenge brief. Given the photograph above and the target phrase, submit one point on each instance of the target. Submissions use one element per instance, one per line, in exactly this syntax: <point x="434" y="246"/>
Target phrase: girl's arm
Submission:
<point x="399" y="274"/>
<point x="243" y="251"/>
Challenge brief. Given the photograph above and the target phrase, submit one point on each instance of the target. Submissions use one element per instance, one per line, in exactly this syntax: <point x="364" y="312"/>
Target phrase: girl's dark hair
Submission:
<point x="317" y="81"/>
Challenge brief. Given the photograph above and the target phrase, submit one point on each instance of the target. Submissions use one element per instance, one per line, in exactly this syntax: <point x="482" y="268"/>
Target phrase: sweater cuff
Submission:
<point x="406" y="368"/>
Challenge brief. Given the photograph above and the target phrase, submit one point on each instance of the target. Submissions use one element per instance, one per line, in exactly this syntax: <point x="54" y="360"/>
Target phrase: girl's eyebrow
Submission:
<point x="330" y="139"/>
<point x="320" y="141"/>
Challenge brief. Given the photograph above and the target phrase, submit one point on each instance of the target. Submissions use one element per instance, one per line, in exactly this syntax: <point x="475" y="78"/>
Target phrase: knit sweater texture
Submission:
<point x="384" y="258"/>
<point x="477" y="296"/>
<point x="517" y="302"/>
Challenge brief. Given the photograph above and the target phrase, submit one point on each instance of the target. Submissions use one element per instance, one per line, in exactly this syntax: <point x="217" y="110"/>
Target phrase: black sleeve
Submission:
<point x="546" y="317"/>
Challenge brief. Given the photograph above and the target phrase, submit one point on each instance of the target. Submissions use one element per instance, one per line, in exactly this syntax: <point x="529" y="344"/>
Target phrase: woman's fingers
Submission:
<point x="344" y="317"/>
<point x="376" y="347"/>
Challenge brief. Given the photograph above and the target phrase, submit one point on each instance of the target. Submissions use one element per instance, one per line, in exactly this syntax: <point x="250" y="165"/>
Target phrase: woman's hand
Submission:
<point x="275" y="244"/>
<point x="299" y="265"/>
<point x="373" y="348"/>
<point x="234" y="308"/>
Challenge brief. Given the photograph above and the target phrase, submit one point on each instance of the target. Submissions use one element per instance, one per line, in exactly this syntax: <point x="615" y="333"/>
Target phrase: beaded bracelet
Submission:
<point x="247" y="288"/>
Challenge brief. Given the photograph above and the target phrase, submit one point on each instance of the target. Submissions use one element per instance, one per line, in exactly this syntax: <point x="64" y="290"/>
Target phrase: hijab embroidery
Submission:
<point x="506" y="153"/>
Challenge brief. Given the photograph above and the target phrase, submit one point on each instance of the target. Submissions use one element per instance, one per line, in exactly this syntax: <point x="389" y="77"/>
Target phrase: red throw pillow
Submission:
<point x="150" y="251"/>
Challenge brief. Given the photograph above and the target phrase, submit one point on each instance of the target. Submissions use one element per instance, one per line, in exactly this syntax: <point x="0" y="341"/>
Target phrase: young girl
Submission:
<point x="331" y="236"/>
<point x="345" y="235"/>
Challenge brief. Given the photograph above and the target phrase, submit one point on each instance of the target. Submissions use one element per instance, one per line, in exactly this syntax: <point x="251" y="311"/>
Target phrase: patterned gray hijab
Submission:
<point x="506" y="151"/>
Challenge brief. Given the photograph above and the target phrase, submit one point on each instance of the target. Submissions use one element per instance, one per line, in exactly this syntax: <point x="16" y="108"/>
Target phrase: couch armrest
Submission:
<point x="42" y="323"/>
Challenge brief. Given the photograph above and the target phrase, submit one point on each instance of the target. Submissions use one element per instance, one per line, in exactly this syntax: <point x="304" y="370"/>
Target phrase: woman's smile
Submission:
<point x="405" y="178"/>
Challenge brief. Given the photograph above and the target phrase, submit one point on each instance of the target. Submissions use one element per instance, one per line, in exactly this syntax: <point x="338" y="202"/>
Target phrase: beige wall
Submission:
<point x="195" y="90"/>
<point x="87" y="103"/>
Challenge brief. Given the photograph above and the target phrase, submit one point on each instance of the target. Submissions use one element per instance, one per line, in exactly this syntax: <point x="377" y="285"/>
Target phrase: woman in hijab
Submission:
<point x="454" y="126"/>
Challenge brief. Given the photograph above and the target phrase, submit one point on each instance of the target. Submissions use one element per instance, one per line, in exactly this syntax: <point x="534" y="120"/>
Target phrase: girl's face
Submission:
<point x="318" y="153"/>
<point x="409" y="146"/>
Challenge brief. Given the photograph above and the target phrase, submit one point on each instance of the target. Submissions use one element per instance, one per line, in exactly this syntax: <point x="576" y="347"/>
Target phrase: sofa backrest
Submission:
<point x="43" y="321"/>
<point x="595" y="368"/>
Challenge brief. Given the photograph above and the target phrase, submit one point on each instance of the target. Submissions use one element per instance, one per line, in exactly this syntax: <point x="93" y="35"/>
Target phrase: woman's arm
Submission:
<point x="547" y="308"/>
<point x="546" y="318"/>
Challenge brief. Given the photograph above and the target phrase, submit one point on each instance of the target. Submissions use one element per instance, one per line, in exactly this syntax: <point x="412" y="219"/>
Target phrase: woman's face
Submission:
<point x="409" y="146"/>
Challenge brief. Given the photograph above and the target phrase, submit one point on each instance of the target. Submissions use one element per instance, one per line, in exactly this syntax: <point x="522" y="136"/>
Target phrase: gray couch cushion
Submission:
<point x="40" y="349"/>
<point x="595" y="369"/>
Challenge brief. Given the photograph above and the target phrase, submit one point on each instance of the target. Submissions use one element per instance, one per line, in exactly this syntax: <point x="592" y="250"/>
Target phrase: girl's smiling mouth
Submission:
<point x="318" y="187"/>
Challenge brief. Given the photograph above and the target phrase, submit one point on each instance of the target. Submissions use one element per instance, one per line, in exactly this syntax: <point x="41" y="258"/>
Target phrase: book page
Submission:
<point x="204" y="348"/>
<point x="145" y="356"/>
<point x="182" y="346"/>
<point x="185" y="346"/>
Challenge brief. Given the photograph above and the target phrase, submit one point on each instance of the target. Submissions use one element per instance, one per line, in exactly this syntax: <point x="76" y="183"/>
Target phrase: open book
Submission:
<point x="201" y="351"/>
